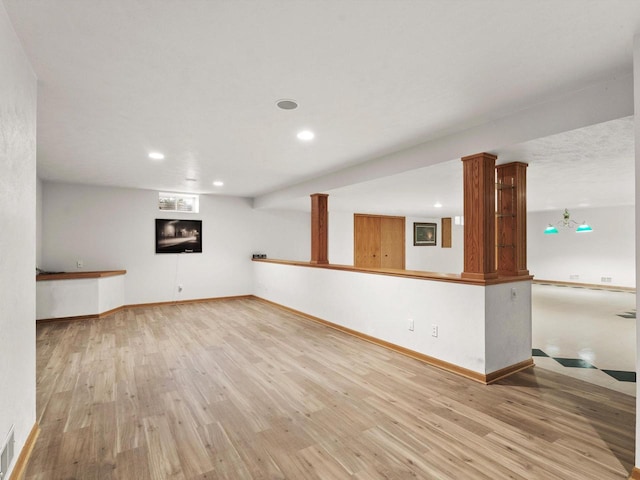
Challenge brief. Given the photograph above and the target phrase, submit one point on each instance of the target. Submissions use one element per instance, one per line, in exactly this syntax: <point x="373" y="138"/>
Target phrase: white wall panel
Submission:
<point x="436" y="258"/>
<point x="114" y="228"/>
<point x="608" y="251"/>
<point x="636" y="89"/>
<point x="381" y="306"/>
<point x="18" y="92"/>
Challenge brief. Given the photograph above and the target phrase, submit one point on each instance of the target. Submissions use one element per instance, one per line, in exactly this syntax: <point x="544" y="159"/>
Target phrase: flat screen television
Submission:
<point x="178" y="236"/>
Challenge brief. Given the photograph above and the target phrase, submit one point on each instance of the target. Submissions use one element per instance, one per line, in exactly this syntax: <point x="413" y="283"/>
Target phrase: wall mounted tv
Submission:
<point x="178" y="236"/>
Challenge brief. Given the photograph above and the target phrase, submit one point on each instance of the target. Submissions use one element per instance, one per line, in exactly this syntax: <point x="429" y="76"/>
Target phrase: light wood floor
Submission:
<point x="240" y="389"/>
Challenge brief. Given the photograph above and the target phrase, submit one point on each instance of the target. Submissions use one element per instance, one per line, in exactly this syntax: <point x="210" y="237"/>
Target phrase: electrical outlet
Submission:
<point x="79" y="264"/>
<point x="605" y="279"/>
<point x="514" y="293"/>
<point x="434" y="330"/>
<point x="411" y="324"/>
<point x="574" y="277"/>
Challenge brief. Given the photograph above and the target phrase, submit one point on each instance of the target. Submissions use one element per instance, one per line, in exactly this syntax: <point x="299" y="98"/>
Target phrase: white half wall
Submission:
<point x="67" y="298"/>
<point x="507" y="324"/>
<point x="381" y="306"/>
<point x="111" y="293"/>
<point x="608" y="251"/>
<point x="110" y="228"/>
<point x="78" y="297"/>
<point x="18" y="93"/>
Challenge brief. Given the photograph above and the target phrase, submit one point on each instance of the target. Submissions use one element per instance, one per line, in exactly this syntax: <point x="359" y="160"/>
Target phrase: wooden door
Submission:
<point x="392" y="235"/>
<point x="378" y="241"/>
<point x="366" y="238"/>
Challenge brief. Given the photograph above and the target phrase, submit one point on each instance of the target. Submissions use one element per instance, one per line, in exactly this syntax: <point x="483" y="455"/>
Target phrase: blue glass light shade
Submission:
<point x="550" y="230"/>
<point x="584" y="228"/>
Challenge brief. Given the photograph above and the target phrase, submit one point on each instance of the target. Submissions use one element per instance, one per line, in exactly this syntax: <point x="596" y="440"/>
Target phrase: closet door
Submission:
<point x="392" y="235"/>
<point x="366" y="239"/>
<point x="378" y="241"/>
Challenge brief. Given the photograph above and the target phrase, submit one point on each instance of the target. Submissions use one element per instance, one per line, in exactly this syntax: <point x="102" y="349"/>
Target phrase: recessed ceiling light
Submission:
<point x="286" y="104"/>
<point x="437" y="205"/>
<point x="306" y="135"/>
<point x="218" y="183"/>
<point x="156" y="156"/>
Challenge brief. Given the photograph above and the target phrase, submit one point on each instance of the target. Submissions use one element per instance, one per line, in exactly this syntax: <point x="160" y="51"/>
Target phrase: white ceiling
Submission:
<point x="589" y="167"/>
<point x="198" y="81"/>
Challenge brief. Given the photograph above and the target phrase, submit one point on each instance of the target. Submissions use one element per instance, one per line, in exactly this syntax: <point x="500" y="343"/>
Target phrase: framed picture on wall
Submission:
<point x="178" y="236"/>
<point x="424" y="234"/>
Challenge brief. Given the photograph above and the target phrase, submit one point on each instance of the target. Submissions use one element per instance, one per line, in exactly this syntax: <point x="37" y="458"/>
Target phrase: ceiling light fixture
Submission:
<point x="191" y="179"/>
<point x="584" y="228"/>
<point x="286" y="104"/>
<point x="437" y="205"/>
<point x="156" y="156"/>
<point x="567" y="222"/>
<point x="306" y="135"/>
<point x="218" y="183"/>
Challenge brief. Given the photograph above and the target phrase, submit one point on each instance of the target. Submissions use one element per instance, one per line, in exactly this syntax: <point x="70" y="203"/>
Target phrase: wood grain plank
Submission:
<point x="132" y="464"/>
<point x="163" y="458"/>
<point x="240" y="389"/>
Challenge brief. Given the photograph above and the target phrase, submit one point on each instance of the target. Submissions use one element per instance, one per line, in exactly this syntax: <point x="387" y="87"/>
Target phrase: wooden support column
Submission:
<point x="479" y="216"/>
<point x="511" y="218"/>
<point x="319" y="228"/>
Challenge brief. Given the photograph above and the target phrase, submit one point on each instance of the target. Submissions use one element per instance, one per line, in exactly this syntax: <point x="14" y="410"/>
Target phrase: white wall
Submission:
<point x="608" y="251"/>
<point x="340" y="237"/>
<point x="435" y="259"/>
<point x="381" y="306"/>
<point x="18" y="91"/>
<point x="114" y="228"/>
<point x="430" y="259"/>
<point x="636" y="90"/>
<point x="282" y="234"/>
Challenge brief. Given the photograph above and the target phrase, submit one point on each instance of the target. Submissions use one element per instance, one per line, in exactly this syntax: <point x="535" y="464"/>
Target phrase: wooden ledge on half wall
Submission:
<point x="76" y="275"/>
<point x="435" y="276"/>
<point x="596" y="286"/>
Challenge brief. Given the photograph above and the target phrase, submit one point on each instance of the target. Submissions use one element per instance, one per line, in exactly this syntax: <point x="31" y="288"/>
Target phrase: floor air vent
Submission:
<point x="6" y="455"/>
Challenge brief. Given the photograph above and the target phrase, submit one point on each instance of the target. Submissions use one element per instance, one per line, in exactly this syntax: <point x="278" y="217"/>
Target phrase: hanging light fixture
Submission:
<point x="584" y="228"/>
<point x="567" y="222"/>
